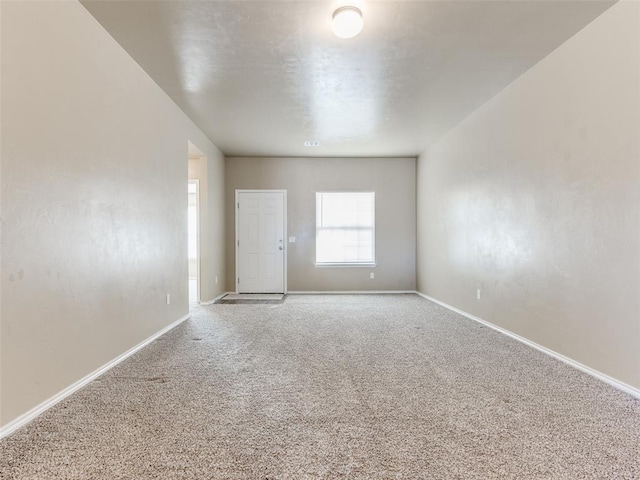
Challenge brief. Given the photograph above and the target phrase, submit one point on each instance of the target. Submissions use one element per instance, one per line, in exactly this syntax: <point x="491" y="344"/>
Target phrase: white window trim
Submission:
<point x="367" y="264"/>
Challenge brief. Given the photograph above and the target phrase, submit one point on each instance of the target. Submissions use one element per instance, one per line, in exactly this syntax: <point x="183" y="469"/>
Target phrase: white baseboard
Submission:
<point x="322" y="292"/>
<point x="558" y="356"/>
<point x="211" y="302"/>
<point x="47" y="404"/>
<point x="350" y="292"/>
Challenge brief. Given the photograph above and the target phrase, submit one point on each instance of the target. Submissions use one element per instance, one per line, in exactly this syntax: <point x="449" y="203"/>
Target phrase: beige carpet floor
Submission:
<point x="333" y="387"/>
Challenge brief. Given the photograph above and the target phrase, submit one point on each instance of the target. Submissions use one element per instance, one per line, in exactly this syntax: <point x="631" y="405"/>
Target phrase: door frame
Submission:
<point x="196" y="181"/>
<point x="284" y="233"/>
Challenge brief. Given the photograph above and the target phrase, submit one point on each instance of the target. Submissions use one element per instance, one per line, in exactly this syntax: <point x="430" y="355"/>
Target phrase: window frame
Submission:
<point x="364" y="264"/>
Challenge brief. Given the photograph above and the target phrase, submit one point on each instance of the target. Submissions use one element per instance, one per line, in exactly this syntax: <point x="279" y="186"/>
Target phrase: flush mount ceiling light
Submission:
<point x="347" y="22"/>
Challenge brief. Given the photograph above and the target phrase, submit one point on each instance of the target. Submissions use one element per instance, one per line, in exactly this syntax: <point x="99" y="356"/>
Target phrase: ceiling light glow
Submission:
<point x="347" y="22"/>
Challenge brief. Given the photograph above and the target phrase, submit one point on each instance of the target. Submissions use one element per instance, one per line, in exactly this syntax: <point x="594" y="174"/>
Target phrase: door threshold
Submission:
<point x="254" y="296"/>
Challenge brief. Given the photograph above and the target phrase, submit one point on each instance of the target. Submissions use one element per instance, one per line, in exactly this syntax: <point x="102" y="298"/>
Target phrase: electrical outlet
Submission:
<point x="168" y="299"/>
<point x="372" y="275"/>
<point x="292" y="239"/>
<point x="478" y="291"/>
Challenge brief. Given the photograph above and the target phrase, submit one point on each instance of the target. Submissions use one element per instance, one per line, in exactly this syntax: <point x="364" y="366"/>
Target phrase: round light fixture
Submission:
<point x="347" y="22"/>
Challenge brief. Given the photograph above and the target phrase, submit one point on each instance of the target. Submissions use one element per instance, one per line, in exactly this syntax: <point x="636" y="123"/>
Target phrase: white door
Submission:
<point x="260" y="258"/>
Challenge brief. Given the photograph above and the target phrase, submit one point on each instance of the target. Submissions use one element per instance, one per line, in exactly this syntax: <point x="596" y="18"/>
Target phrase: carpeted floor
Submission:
<point x="333" y="387"/>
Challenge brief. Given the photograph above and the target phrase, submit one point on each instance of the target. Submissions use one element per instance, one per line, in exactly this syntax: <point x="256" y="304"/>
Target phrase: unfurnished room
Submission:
<point x="320" y="239"/>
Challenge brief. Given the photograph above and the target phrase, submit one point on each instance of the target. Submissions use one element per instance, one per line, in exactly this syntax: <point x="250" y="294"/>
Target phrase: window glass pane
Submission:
<point x="345" y="227"/>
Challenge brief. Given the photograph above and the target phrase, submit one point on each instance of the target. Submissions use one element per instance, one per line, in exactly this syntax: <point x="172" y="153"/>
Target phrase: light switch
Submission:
<point x="292" y="239"/>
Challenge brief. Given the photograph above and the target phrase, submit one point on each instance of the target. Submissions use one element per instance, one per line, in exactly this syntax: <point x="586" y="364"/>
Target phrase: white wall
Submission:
<point x="212" y="250"/>
<point x="94" y="173"/>
<point x="393" y="180"/>
<point x="535" y="199"/>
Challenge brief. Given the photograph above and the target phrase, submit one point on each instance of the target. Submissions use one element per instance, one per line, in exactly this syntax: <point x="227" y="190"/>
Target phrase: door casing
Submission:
<point x="284" y="233"/>
<point x="196" y="182"/>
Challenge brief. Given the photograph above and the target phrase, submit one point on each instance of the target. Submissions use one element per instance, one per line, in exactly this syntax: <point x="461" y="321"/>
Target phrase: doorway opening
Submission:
<point x="193" y="215"/>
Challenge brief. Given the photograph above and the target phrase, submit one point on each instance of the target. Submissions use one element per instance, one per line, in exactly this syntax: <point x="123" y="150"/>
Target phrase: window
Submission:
<point x="345" y="232"/>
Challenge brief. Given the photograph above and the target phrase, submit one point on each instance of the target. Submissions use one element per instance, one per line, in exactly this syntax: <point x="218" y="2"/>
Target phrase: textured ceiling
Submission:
<point x="262" y="77"/>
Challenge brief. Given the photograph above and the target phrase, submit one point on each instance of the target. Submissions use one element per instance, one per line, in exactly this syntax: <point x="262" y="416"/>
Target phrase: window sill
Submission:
<point x="346" y="265"/>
